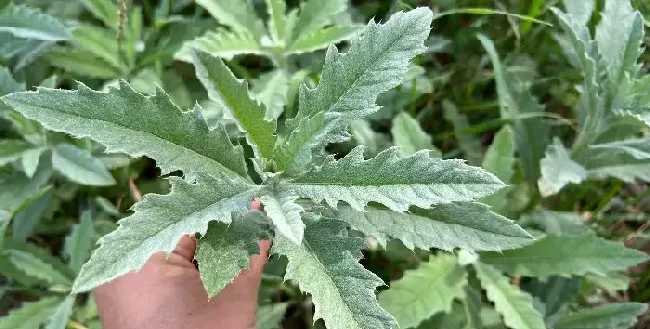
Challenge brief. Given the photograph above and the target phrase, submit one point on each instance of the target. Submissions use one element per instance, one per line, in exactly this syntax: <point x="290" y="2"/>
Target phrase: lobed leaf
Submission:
<point x="409" y="136"/>
<point x="236" y="14"/>
<point x="284" y="212"/>
<point x="395" y="181"/>
<point x="326" y="265"/>
<point x="580" y="10"/>
<point x="322" y="38"/>
<point x="565" y="256"/>
<point x="159" y="222"/>
<point x="425" y="291"/>
<point x="469" y="226"/>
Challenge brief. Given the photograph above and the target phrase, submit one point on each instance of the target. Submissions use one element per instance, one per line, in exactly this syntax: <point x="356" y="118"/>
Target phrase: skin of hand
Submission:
<point x="168" y="294"/>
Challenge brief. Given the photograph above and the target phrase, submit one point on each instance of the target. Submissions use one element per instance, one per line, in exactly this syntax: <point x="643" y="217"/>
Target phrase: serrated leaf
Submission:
<point x="23" y="22"/>
<point x="104" y="10"/>
<point x="581" y="10"/>
<point x="100" y="42"/>
<point x="237" y="14"/>
<point x="322" y="38"/>
<point x="516" y="99"/>
<point x="425" y="291"/>
<point x="395" y="181"/>
<point x="284" y="212"/>
<point x="221" y="43"/>
<point x="59" y="319"/>
<point x="315" y="14"/>
<point x="638" y="148"/>
<point x="565" y="256"/>
<point x="29" y="315"/>
<point x="223" y="252"/>
<point x="37" y="268"/>
<point x="224" y="88"/>
<point x="79" y="166"/>
<point x="270" y="316"/>
<point x="326" y="265"/>
<point x="514" y="305"/>
<point x="350" y="85"/>
<point x="271" y="89"/>
<point x="159" y="222"/>
<point x="469" y="226"/>
<point x="612" y="316"/>
<point x="409" y="136"/>
<point x="470" y="144"/>
<point x="12" y="150"/>
<point x="79" y="243"/>
<point x="558" y="170"/>
<point x="153" y="125"/>
<point x="82" y="63"/>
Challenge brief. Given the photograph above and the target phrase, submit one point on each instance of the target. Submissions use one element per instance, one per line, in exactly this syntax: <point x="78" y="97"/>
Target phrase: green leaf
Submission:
<point x="270" y="316"/>
<point x="30" y="160"/>
<point x="395" y="181"/>
<point x="104" y="10"/>
<point x="469" y="143"/>
<point x="221" y="43"/>
<point x="271" y="89"/>
<point x="425" y="291"/>
<point x="159" y="222"/>
<point x="23" y="22"/>
<point x="611" y="282"/>
<point x="79" y="243"/>
<point x="559" y="170"/>
<point x="100" y="42"/>
<point x="612" y="316"/>
<point x="500" y="156"/>
<point x="18" y="188"/>
<point x="559" y="222"/>
<point x="153" y="125"/>
<point x="277" y="22"/>
<point x="637" y="148"/>
<point x="514" y="305"/>
<point x="37" y="268"/>
<point x="79" y="166"/>
<point x="28" y="215"/>
<point x="623" y="164"/>
<point x="409" y="136"/>
<point x="284" y="212"/>
<point x="350" y="84"/>
<point x="82" y="63"/>
<point x="7" y="83"/>
<point x="326" y="265"/>
<point x="322" y="38"/>
<point x="565" y="256"/>
<point x="59" y="319"/>
<point x="237" y="14"/>
<point x="12" y="150"/>
<point x="469" y="226"/>
<point x="515" y="100"/>
<point x="225" y="249"/>
<point x="554" y="294"/>
<point x="580" y="10"/>
<point x="315" y="14"/>
<point x="224" y="88"/>
<point x="29" y="315"/>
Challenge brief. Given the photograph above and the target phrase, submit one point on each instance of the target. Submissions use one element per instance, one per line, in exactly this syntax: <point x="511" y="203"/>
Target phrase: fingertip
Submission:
<point x="186" y="247"/>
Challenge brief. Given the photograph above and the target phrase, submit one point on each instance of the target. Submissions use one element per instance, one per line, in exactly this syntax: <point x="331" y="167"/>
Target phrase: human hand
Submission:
<point x="168" y="294"/>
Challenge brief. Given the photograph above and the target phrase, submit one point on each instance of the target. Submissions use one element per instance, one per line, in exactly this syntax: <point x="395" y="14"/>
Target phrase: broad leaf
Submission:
<point x="326" y="266"/>
<point x="284" y="212"/>
<point x="18" y="188"/>
<point x="554" y="294"/>
<point x="514" y="305"/>
<point x="350" y="85"/>
<point x="79" y="243"/>
<point x="237" y="14"/>
<point x="425" y="291"/>
<point x="30" y="160"/>
<point x="29" y="315"/>
<point x="221" y="43"/>
<point x="29" y="23"/>
<point x="232" y="94"/>
<point x="79" y="166"/>
<point x="395" y="181"/>
<point x="470" y="144"/>
<point x="315" y="14"/>
<point x="225" y="249"/>
<point x="158" y="223"/>
<point x="565" y="256"/>
<point x="469" y="226"/>
<point x="559" y="170"/>
<point x="63" y="311"/>
<point x="153" y="125"/>
<point x="27" y="216"/>
<point x="409" y="136"/>
<point x="100" y="42"/>
<point x="321" y="39"/>
<point x="612" y="316"/>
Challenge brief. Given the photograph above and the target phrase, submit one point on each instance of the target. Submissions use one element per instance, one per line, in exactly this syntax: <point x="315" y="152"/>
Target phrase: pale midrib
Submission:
<point x="49" y="126"/>
<point x="381" y="184"/>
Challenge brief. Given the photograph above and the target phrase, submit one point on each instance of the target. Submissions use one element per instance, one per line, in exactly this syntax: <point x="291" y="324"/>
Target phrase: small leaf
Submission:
<point x="28" y="215"/>
<point x="397" y="182"/>
<point x="516" y="306"/>
<point x="12" y="150"/>
<point x="500" y="156"/>
<point x="18" y="188"/>
<point x="425" y="291"/>
<point x="221" y="43"/>
<point x="326" y="265"/>
<point x="611" y="282"/>
<point x="580" y="10"/>
<point x="637" y="148"/>
<point x="565" y="256"/>
<point x="559" y="170"/>
<point x="29" y="23"/>
<point x="30" y="160"/>
<point x="470" y="144"/>
<point x="59" y="319"/>
<point x="100" y="42"/>
<point x="159" y="222"/>
<point x="469" y="226"/>
<point x="284" y="212"/>
<point x="315" y="14"/>
<point x="271" y="89"/>
<point x="7" y="83"/>
<point x="623" y="164"/>
<point x="270" y="316"/>
<point x="79" y="243"/>
<point x="559" y="222"/>
<point x="612" y="316"/>
<point x="29" y="315"/>
<point x="224" y="88"/>
<point x="106" y="11"/>
<point x="409" y="136"/>
<point x="82" y="63"/>
<point x="321" y="39"/>
<point x="79" y="166"/>
<point x="277" y="22"/>
<point x="38" y="268"/>
<point x="237" y="14"/>
<point x="223" y="252"/>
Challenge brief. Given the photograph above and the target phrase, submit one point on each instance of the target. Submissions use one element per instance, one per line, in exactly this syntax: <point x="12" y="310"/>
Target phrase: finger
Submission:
<point x="255" y="205"/>
<point x="257" y="262"/>
<point x="186" y="247"/>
